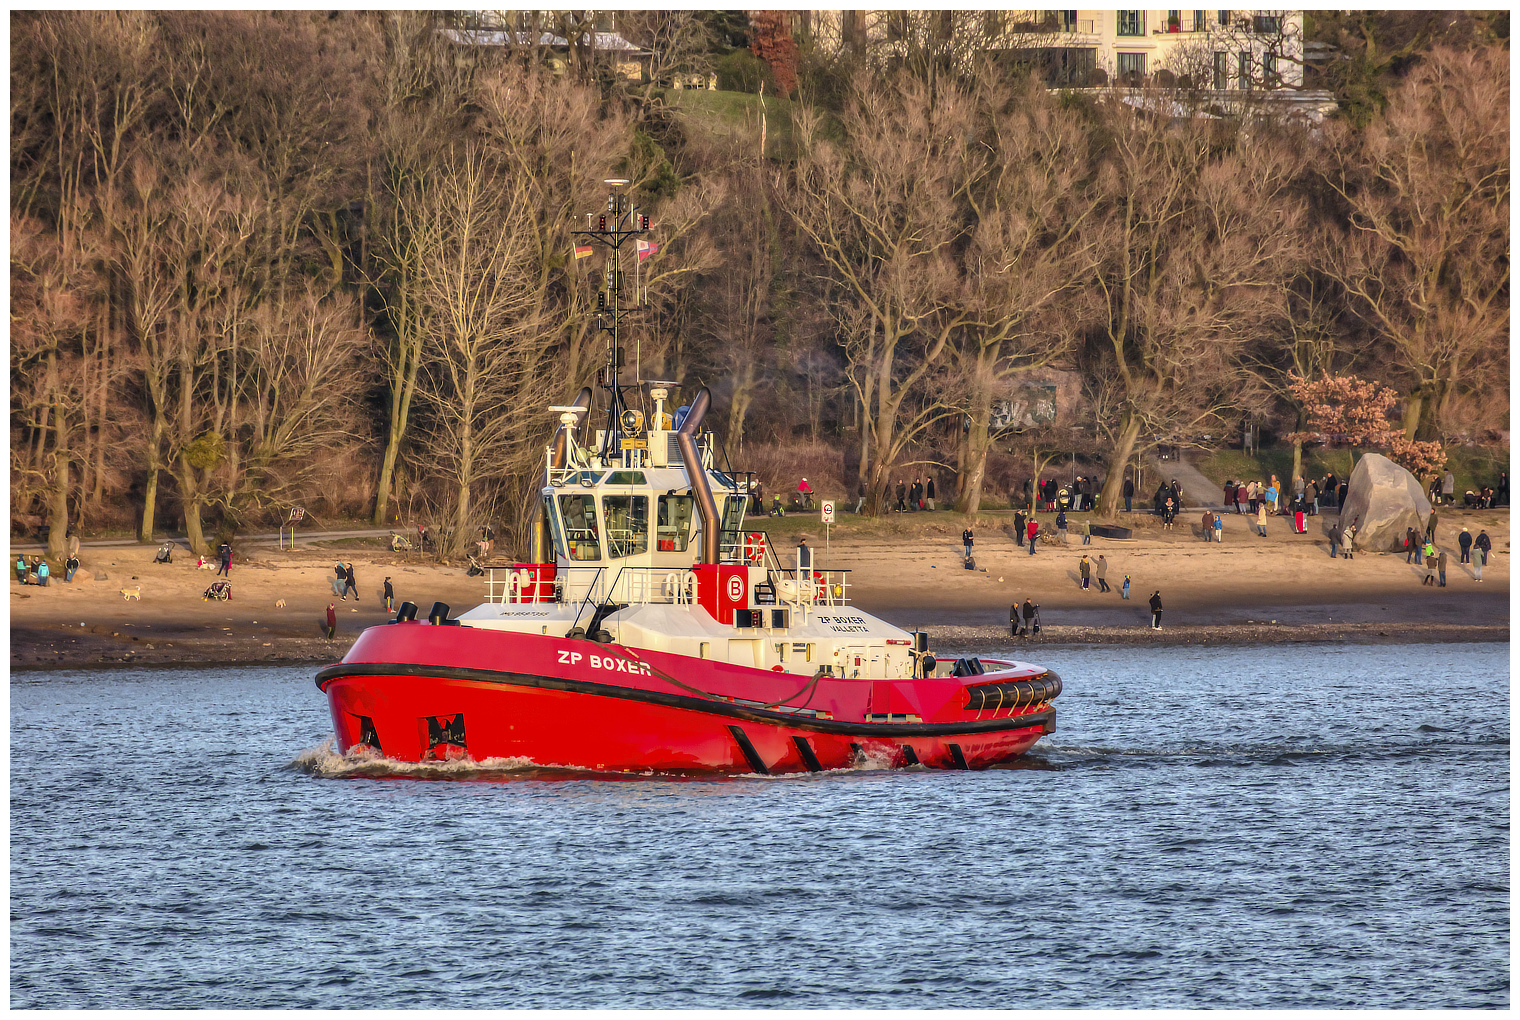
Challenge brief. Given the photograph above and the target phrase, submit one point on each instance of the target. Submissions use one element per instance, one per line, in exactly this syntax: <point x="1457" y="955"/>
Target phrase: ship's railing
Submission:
<point x="811" y="587"/>
<point x="588" y="462"/>
<point x="657" y="586"/>
<point x="627" y="585"/>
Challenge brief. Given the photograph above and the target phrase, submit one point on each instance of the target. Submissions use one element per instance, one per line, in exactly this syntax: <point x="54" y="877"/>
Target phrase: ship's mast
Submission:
<point x="620" y="230"/>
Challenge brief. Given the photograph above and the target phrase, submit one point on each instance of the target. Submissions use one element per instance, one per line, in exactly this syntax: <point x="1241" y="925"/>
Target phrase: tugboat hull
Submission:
<point x="397" y="694"/>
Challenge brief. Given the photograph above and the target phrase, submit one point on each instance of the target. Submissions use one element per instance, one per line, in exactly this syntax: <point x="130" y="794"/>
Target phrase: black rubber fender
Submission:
<point x="1013" y="693"/>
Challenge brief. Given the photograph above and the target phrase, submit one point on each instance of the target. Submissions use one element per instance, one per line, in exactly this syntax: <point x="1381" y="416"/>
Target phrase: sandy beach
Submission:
<point x="906" y="569"/>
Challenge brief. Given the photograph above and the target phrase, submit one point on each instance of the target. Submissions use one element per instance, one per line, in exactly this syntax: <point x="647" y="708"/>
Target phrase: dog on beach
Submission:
<point x="134" y="592"/>
<point x="279" y="603"/>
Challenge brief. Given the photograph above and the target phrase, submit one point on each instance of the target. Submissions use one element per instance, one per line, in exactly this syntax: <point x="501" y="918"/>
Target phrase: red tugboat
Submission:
<point x="655" y="634"/>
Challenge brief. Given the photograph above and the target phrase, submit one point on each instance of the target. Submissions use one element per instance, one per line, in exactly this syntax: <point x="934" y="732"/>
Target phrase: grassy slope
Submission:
<point x="736" y="114"/>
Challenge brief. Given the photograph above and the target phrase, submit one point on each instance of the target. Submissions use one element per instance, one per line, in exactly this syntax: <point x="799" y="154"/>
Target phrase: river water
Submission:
<point x="1243" y="827"/>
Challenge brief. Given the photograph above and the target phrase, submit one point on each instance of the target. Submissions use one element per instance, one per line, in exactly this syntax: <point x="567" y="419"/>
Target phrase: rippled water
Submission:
<point x="1256" y="827"/>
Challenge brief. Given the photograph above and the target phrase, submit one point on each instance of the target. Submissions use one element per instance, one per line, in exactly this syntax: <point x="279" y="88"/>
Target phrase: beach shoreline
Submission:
<point x="906" y="570"/>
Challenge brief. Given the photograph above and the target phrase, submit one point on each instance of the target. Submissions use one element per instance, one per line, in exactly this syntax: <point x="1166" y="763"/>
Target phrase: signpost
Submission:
<point x="296" y="513"/>
<point x="828" y="518"/>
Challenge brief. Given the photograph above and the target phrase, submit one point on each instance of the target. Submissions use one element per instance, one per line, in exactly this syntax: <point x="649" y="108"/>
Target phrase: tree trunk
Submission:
<point x="150" y="500"/>
<point x="193" y="530"/>
<point x="401" y="409"/>
<point x="458" y="539"/>
<point x="978" y="442"/>
<point x="1413" y="406"/>
<point x="58" y="504"/>
<point x="1113" y="485"/>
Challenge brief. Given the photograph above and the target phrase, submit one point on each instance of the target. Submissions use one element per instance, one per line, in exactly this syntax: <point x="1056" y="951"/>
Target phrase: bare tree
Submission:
<point x="1425" y="257"/>
<point x="486" y="339"/>
<point x="886" y="210"/>
<point x="1025" y="253"/>
<point x="1196" y="232"/>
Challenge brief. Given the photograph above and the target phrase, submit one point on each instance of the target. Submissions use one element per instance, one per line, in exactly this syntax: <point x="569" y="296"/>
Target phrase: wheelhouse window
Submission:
<point x="580" y="534"/>
<point x="555" y="528"/>
<point x="1131" y="22"/>
<point x="731" y="531"/>
<point x="627" y="519"/>
<point x="673" y="523"/>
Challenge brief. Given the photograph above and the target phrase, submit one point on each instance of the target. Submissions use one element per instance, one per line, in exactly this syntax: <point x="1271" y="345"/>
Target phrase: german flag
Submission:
<point x="582" y="250"/>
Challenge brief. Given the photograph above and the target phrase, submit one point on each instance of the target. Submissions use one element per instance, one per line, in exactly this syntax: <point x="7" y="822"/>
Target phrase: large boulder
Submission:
<point x="1385" y="501"/>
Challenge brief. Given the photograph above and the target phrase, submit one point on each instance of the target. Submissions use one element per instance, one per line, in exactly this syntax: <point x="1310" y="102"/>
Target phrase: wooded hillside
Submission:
<point x="268" y="260"/>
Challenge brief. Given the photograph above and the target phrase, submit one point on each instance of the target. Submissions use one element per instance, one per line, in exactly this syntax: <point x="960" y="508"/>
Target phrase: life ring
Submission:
<point x="754" y="547"/>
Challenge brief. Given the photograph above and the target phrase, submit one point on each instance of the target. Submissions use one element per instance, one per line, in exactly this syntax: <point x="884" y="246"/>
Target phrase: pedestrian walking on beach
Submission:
<point x="1430" y="527"/>
<point x="1155" y="610"/>
<point x="1034" y="529"/>
<point x="1030" y="612"/>
<point x="349" y="584"/>
<point x="1430" y="565"/>
<point x="1102" y="571"/>
<point x="929" y="492"/>
<point x="1348" y="540"/>
<point x="966" y="540"/>
<point x="1261" y="517"/>
<point x="42" y="572"/>
<point x="1441" y="565"/>
<point x="1464" y="541"/>
<point x="860" y="491"/>
<point x="1087" y="532"/>
<point x="1129" y="493"/>
<point x="1124" y="590"/>
<point x="1218" y="528"/>
<point x="1013" y="618"/>
<point x="1411" y="545"/>
<point x="340" y="578"/>
<point x="390" y="596"/>
<point x="1085" y="569"/>
<point x="1019" y="520"/>
<point x="1481" y="545"/>
<point x="1061" y="526"/>
<point x="902" y="495"/>
<point x="226" y="567"/>
<point x="332" y="621"/>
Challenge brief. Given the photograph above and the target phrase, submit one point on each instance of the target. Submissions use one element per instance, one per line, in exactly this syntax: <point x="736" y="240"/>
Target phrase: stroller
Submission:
<point x="165" y="553"/>
<point x="220" y="591"/>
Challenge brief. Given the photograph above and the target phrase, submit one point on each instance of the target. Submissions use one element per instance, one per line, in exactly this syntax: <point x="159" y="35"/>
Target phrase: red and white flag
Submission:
<point x="647" y="248"/>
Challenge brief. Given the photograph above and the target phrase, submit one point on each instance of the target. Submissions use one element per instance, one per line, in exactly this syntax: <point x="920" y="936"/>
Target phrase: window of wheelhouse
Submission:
<point x="579" y="513"/>
<point x="627" y="520"/>
<point x="673" y="523"/>
<point x="556" y="529"/>
<point x="731" y="533"/>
